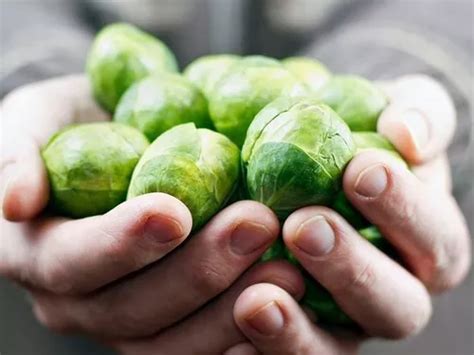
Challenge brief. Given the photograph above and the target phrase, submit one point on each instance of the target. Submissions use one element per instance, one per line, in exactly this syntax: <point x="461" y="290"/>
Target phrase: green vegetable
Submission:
<point x="198" y="166"/>
<point x="205" y="71"/>
<point x="311" y="72"/>
<point x="120" y="55"/>
<point x="244" y="89"/>
<point x="275" y="252"/>
<point x="371" y="140"/>
<point x="363" y="141"/>
<point x="355" y="99"/>
<point x="160" y="102"/>
<point x="90" y="166"/>
<point x="295" y="153"/>
<point x="373" y="235"/>
<point x="316" y="297"/>
<point x="320" y="301"/>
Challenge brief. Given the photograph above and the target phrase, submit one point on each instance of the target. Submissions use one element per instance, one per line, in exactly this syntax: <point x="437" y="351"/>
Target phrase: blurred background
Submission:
<point x="378" y="39"/>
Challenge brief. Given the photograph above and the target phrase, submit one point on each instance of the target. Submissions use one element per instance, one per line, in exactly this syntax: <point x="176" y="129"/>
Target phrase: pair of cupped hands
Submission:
<point x="136" y="279"/>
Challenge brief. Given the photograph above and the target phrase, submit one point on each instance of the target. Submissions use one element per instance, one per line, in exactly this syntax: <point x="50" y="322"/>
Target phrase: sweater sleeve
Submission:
<point x="40" y="40"/>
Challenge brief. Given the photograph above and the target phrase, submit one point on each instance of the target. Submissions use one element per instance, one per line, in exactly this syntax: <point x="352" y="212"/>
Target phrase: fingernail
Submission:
<point x="372" y="181"/>
<point x="268" y="320"/>
<point x="248" y="237"/>
<point x="315" y="236"/>
<point x="417" y="126"/>
<point x="163" y="229"/>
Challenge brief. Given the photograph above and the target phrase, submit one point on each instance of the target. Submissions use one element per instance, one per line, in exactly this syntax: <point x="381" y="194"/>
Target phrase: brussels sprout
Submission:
<point x="371" y="140"/>
<point x="244" y="89"/>
<point x="363" y="141"/>
<point x="373" y="235"/>
<point x="311" y="72"/>
<point x="90" y="166"/>
<point x="120" y="55"/>
<point x="321" y="302"/>
<point x="355" y="99"/>
<point x="295" y="153"/>
<point x="198" y="166"/>
<point x="276" y="251"/>
<point x="316" y="297"/>
<point x="160" y="102"/>
<point x="205" y="71"/>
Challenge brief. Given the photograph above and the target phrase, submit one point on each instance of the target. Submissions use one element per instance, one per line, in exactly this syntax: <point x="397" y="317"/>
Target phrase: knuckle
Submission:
<point x="127" y="323"/>
<point x="51" y="320"/>
<point x="413" y="324"/>
<point x="210" y="279"/>
<point x="450" y="263"/>
<point x="104" y="316"/>
<point x="358" y="278"/>
<point x="118" y="250"/>
<point x="55" y="279"/>
<point x="402" y="211"/>
<point x="6" y="269"/>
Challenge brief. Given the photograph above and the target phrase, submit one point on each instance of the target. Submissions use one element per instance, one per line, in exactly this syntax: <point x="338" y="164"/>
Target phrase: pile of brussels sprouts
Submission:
<point x="227" y="128"/>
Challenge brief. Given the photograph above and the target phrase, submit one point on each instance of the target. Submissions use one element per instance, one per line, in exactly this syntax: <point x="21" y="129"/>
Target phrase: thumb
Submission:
<point x="29" y="115"/>
<point x="23" y="179"/>
<point x="420" y="119"/>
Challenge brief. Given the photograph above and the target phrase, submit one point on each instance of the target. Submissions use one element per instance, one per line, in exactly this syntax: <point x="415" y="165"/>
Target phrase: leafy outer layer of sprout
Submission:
<point x="90" y="166"/>
<point x="198" y="166"/>
<point x="316" y="297"/>
<point x="363" y="141"/>
<point x="120" y="55"/>
<point x="295" y="153"/>
<point x="244" y="89"/>
<point x="160" y="102"/>
<point x="310" y="71"/>
<point x="355" y="99"/>
<point x="205" y="71"/>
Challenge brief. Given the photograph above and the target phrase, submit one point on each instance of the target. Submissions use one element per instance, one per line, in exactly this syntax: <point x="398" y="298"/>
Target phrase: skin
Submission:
<point x="88" y="275"/>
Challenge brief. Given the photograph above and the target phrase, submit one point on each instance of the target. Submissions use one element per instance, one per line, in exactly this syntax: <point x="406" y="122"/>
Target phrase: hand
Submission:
<point x="415" y="212"/>
<point x="107" y="276"/>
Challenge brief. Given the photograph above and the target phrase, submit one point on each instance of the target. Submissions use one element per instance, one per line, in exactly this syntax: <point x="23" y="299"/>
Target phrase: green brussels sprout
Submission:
<point x="316" y="297"/>
<point x="355" y="99"/>
<point x="244" y="89"/>
<point x="276" y="251"/>
<point x="90" y="166"/>
<point x="197" y="166"/>
<point x="120" y="55"/>
<point x="205" y="71"/>
<point x="295" y="153"/>
<point x="363" y="141"/>
<point x="160" y="102"/>
<point x="372" y="140"/>
<point x="311" y="72"/>
<point x="321" y="302"/>
<point x="373" y="235"/>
